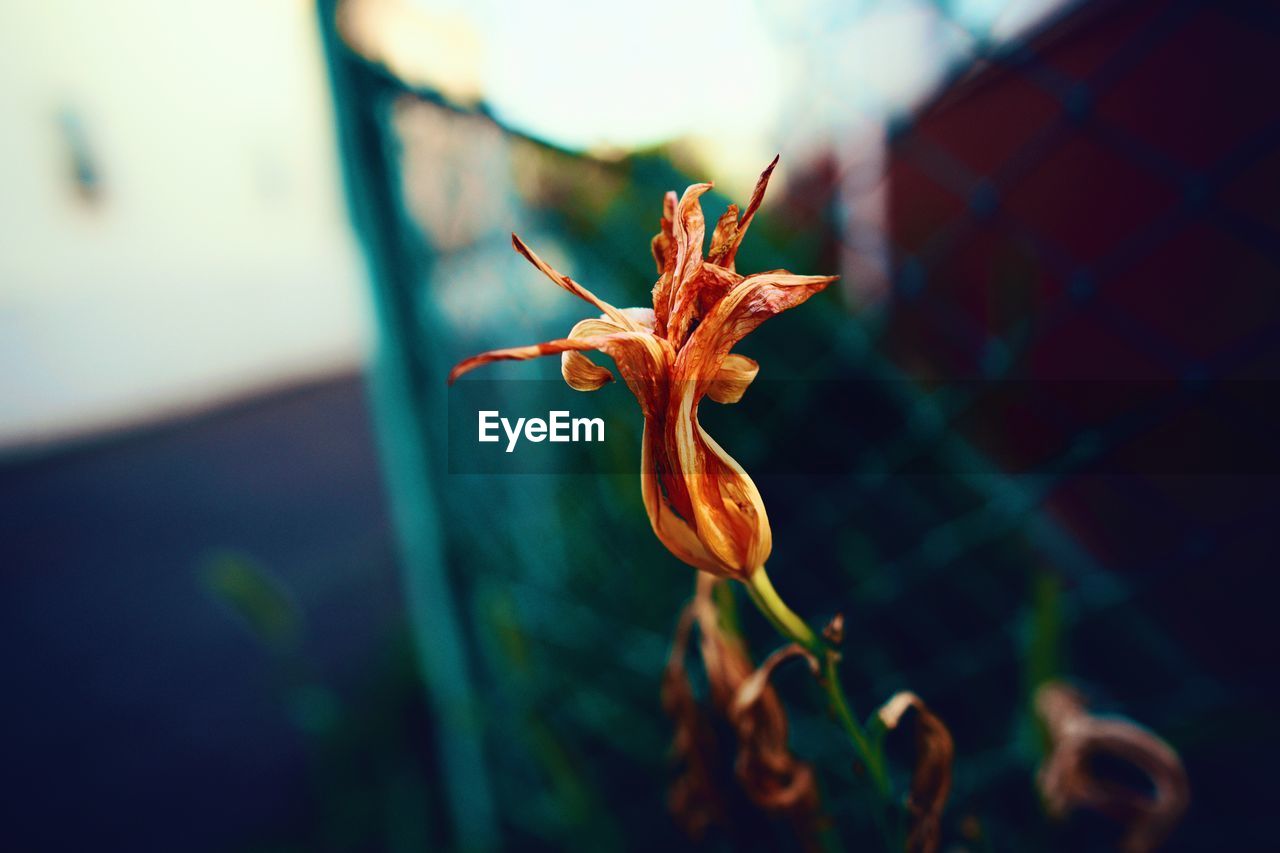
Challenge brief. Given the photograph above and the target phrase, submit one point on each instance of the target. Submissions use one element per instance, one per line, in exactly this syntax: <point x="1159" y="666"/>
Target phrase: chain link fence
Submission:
<point x="1091" y="207"/>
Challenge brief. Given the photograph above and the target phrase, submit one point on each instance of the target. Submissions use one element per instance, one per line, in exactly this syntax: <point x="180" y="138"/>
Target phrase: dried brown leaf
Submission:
<point x="931" y="778"/>
<point x="1068" y="782"/>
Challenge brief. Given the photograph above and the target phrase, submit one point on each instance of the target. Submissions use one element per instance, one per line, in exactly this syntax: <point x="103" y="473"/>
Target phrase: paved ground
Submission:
<point x="139" y="712"/>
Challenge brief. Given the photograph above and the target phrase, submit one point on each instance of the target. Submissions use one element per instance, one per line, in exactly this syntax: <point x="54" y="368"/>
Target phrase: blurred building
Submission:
<point x="1085" y="240"/>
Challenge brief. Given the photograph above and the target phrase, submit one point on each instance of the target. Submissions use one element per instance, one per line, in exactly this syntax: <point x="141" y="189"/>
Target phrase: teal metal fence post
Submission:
<point x="408" y="394"/>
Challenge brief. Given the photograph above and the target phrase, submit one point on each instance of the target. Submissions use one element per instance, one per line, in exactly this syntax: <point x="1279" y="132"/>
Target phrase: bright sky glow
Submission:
<point x="741" y="80"/>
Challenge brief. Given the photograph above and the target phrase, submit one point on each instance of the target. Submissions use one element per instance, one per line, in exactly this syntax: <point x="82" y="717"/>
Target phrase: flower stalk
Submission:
<point x="789" y="625"/>
<point x="794" y="628"/>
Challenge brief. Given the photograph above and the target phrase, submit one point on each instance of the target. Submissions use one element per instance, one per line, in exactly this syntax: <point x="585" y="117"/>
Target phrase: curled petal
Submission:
<point x="571" y="285"/>
<point x="732" y="379"/>
<point x="660" y="245"/>
<point x="752" y="301"/>
<point x="931" y="780"/>
<point x="580" y="372"/>
<point x="701" y="503"/>
<point x="757" y="196"/>
<point x="728" y="512"/>
<point x="657" y="482"/>
<point x="1067" y="780"/>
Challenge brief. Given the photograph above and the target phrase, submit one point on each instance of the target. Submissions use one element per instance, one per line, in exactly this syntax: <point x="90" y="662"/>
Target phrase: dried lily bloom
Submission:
<point x="1067" y="781"/>
<point x="701" y="504"/>
<point x="741" y="695"/>
<point x="931" y="779"/>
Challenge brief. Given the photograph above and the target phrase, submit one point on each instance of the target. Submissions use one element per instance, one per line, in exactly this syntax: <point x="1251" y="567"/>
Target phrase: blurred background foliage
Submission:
<point x="474" y="661"/>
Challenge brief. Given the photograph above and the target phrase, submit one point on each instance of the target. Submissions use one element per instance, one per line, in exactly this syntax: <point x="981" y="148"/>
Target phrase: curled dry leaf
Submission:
<point x="1068" y="782"/>
<point x="693" y="798"/>
<point x="701" y="504"/>
<point x="931" y="779"/>
<point x="771" y="775"/>
<point x="740" y="695"/>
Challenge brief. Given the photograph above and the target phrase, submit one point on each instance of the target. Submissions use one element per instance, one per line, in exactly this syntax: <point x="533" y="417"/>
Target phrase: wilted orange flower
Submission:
<point x="1068" y="781"/>
<point x="701" y="504"/>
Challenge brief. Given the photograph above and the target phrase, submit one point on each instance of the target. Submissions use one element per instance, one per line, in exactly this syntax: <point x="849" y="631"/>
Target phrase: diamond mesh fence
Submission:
<point x="1036" y="445"/>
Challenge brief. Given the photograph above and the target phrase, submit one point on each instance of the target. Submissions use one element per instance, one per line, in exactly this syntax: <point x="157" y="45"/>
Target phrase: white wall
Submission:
<point x="217" y="256"/>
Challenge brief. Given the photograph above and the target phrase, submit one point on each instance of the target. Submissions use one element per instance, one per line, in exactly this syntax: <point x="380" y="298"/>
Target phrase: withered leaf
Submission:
<point x="931" y="778"/>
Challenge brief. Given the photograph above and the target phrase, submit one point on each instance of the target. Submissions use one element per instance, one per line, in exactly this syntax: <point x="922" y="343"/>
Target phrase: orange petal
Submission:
<point x="727" y="510"/>
<point x="663" y="243"/>
<point x="724" y="233"/>
<point x="643" y="360"/>
<point x="728" y="251"/>
<point x="696" y="298"/>
<point x="521" y="354"/>
<point x="751" y="302"/>
<point x="571" y="285"/>
<point x="931" y="778"/>
<point x="688" y="230"/>
<point x="732" y="379"/>
<point x="673" y="531"/>
<point x="714" y="282"/>
<point x="664" y="254"/>
<point x="580" y="372"/>
<point x="660" y="245"/>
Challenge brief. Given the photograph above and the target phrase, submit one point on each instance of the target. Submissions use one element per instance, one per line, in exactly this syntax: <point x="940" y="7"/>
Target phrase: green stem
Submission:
<point x="871" y="754"/>
<point x="794" y="628"/>
<point x="789" y="625"/>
